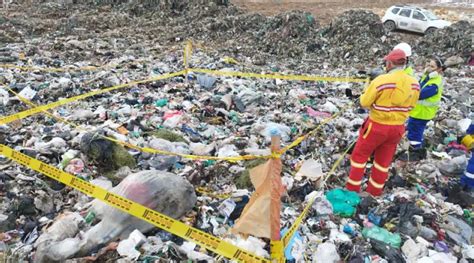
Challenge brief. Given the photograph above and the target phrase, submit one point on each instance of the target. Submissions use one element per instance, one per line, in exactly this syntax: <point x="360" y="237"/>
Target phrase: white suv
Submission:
<point x="412" y="18"/>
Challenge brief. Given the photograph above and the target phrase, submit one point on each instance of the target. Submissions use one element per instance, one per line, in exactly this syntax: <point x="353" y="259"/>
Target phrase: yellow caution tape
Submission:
<point x="188" y="50"/>
<point x="277" y="252"/>
<point x="205" y="191"/>
<point x="190" y="156"/>
<point x="146" y="149"/>
<point x="288" y="235"/>
<point x="29" y="112"/>
<point x="275" y="76"/>
<point x="273" y="155"/>
<point x="336" y="164"/>
<point x="230" y="60"/>
<point x="130" y="207"/>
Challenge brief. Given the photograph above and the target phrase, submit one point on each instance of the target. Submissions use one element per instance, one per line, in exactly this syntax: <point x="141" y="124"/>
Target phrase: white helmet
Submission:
<point x="404" y="47"/>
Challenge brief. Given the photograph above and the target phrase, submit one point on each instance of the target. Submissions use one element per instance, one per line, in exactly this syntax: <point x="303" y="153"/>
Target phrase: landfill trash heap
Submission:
<point x="61" y="49"/>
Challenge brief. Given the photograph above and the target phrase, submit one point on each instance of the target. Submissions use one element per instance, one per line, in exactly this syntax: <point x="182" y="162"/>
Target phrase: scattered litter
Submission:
<point x="108" y="139"/>
<point x="127" y="247"/>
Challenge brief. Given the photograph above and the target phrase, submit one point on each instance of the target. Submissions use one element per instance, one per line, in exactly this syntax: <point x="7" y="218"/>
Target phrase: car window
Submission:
<point x="431" y="16"/>
<point x="405" y="13"/>
<point x="419" y="16"/>
<point x="395" y="10"/>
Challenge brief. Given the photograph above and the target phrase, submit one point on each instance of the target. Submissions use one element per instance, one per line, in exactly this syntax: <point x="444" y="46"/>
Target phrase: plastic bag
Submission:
<point x="383" y="235"/>
<point x="344" y="202"/>
<point x="251" y="244"/>
<point x="295" y="248"/>
<point x="464" y="231"/>
<point x="228" y="150"/>
<point x="310" y="169"/>
<point x="57" y="243"/>
<point x="327" y="253"/>
<point x="172" y="122"/>
<point x="127" y="247"/>
<point x="249" y="97"/>
<point x="455" y="166"/>
<point x="438" y="258"/>
<point x="321" y="204"/>
<point x="163" y="162"/>
<point x="164" y="192"/>
<point x="386" y="251"/>
<point x="206" y="81"/>
<point x="202" y="149"/>
<point x="413" y="250"/>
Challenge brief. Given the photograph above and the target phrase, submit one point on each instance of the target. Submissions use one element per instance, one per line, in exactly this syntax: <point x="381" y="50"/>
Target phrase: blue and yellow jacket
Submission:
<point x="430" y="97"/>
<point x="468" y="140"/>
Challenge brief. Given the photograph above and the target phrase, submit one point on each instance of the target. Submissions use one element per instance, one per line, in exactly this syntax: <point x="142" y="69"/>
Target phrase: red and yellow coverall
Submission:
<point x="390" y="97"/>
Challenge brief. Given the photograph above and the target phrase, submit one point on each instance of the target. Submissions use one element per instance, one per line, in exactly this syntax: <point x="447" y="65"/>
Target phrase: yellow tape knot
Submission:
<point x="276" y="155"/>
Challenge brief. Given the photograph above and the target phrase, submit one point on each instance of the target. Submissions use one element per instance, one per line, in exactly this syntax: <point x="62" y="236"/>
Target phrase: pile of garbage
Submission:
<point x="222" y="117"/>
<point x="450" y="41"/>
<point x="422" y="217"/>
<point x="286" y="34"/>
<point x="356" y="35"/>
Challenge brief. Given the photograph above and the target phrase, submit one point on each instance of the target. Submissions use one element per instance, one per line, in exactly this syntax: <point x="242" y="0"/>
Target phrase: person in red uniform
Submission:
<point x="389" y="98"/>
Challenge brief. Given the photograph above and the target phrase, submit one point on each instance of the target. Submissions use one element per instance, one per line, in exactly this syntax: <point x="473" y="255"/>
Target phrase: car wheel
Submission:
<point x="389" y="25"/>
<point x="430" y="31"/>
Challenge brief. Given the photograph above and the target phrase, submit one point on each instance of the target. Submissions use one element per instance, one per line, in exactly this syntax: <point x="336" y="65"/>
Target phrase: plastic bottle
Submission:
<point x="90" y="217"/>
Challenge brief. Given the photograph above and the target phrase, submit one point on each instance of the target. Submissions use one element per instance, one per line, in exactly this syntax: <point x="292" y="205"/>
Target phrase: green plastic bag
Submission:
<point x="161" y="102"/>
<point x="343" y="202"/>
<point x="382" y="234"/>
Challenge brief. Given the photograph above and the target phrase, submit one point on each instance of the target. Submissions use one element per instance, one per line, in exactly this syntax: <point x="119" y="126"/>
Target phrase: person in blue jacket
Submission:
<point x="431" y="84"/>
<point x="467" y="179"/>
